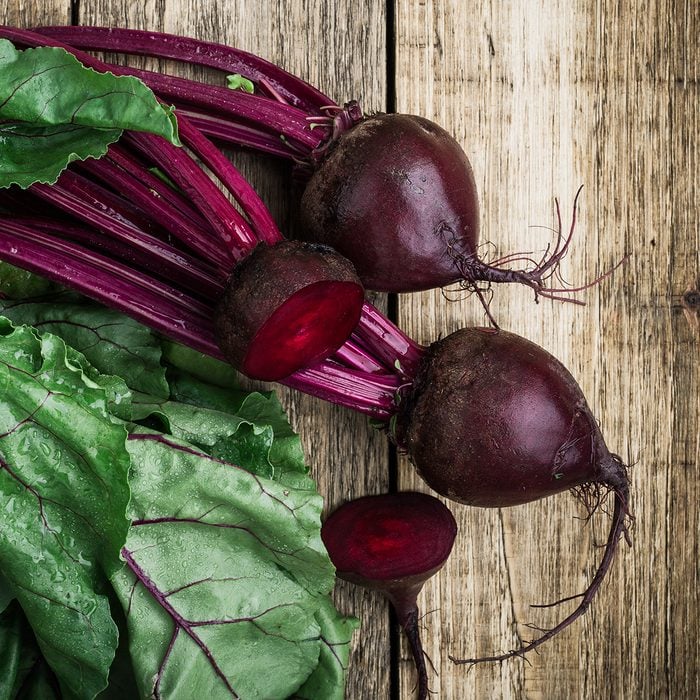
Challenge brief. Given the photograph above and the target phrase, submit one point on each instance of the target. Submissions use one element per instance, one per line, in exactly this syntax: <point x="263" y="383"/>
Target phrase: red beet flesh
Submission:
<point x="285" y="307"/>
<point x="393" y="543"/>
<point x="494" y="420"/>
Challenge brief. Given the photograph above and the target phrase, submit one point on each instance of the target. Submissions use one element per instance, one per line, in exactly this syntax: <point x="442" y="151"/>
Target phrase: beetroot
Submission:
<point x="285" y="307"/>
<point x="494" y="420"/>
<point x="396" y="195"/>
<point x="393" y="543"/>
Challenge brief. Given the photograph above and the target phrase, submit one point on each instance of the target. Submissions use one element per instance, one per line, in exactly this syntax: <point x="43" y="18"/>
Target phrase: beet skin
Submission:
<point x="395" y="195"/>
<point x="285" y="307"/>
<point x="494" y="420"/>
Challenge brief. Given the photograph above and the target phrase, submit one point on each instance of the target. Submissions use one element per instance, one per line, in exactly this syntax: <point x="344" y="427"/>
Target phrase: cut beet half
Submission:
<point x="286" y="307"/>
<point x="383" y="541"/>
<point x="393" y="543"/>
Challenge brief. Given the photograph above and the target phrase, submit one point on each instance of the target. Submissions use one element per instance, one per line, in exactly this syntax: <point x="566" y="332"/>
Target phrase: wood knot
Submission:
<point x="690" y="301"/>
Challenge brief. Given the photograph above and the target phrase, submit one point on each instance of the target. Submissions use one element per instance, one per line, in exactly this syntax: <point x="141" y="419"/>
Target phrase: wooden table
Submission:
<point x="544" y="97"/>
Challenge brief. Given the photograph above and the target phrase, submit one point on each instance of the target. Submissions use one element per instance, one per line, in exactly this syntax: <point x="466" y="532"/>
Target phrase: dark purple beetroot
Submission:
<point x="395" y="195"/>
<point x="494" y="420"/>
<point x="507" y="417"/>
<point x="393" y="543"/>
<point x="285" y="307"/>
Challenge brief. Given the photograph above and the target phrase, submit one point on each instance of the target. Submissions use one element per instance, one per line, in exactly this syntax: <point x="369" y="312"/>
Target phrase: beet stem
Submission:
<point x="180" y="167"/>
<point x="194" y="52"/>
<point x="262" y="111"/>
<point x="125" y="176"/>
<point x="266" y="112"/>
<point x="371" y="394"/>
<point x="240" y="134"/>
<point x="114" y="284"/>
<point x="261" y="220"/>
<point x="237" y="237"/>
<point x="388" y="343"/>
<point x="74" y="194"/>
<point x="618" y="529"/>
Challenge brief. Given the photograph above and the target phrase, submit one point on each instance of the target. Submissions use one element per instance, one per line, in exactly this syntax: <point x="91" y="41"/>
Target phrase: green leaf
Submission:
<point x="63" y="493"/>
<point x="236" y="525"/>
<point x="32" y="154"/>
<point x="16" y="283"/>
<point x="253" y="433"/>
<point x="328" y="679"/>
<point x="113" y="343"/>
<point x="54" y="110"/>
<point x="6" y="593"/>
<point x="224" y="579"/>
<point x="200" y="366"/>
<point x="238" y="82"/>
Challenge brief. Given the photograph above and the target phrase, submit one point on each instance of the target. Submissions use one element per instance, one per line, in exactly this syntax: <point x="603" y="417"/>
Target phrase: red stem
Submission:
<point x="71" y="194"/>
<point x="237" y="238"/>
<point x="116" y="285"/>
<point x="240" y="134"/>
<point x="261" y="221"/>
<point x="113" y="170"/>
<point x="192" y="51"/>
<point x="261" y="112"/>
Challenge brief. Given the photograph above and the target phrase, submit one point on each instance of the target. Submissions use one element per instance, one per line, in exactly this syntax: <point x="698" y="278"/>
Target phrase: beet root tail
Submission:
<point x="476" y="273"/>
<point x="410" y="627"/>
<point x="618" y="530"/>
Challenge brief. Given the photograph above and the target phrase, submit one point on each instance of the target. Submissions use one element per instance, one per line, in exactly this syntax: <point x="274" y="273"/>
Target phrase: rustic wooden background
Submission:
<point x="544" y="96"/>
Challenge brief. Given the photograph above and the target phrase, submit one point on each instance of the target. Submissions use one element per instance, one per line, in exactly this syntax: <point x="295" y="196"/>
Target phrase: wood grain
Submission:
<point x="544" y="97"/>
<point x="21" y="14"/>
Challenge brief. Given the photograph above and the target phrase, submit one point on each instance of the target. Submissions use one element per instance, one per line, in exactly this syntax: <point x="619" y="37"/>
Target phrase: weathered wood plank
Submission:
<point x="544" y="97"/>
<point x="27" y="14"/>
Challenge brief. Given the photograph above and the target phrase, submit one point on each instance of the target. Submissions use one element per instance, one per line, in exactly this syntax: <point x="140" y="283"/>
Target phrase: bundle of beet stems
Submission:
<point x="162" y="248"/>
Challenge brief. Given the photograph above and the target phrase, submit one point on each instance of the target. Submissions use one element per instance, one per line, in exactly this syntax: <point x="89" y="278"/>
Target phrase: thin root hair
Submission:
<point x="618" y="483"/>
<point x="536" y="273"/>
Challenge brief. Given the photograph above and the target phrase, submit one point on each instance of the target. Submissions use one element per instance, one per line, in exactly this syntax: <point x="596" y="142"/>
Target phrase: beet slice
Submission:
<point x="286" y="307"/>
<point x="393" y="543"/>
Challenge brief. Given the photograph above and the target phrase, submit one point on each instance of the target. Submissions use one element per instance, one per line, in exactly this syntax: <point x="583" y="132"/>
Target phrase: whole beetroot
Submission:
<point x="395" y="194"/>
<point x="494" y="420"/>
